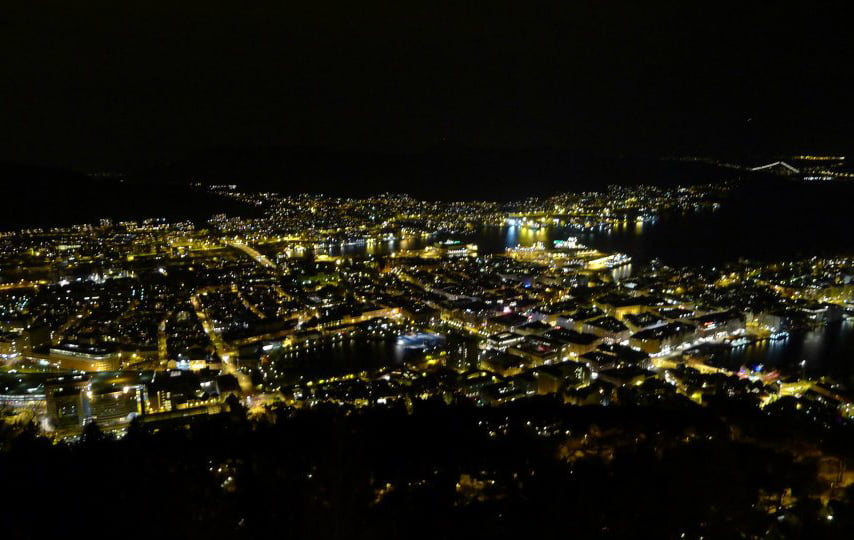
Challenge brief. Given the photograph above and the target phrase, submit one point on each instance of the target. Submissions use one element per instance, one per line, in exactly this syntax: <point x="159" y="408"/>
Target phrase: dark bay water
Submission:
<point x="347" y="356"/>
<point x="769" y="220"/>
<point x="826" y="351"/>
<point x="353" y="355"/>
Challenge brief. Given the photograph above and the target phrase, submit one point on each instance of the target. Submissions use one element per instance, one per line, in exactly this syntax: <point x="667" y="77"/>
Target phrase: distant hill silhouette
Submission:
<point x="40" y="196"/>
<point x="439" y="173"/>
<point x="43" y="196"/>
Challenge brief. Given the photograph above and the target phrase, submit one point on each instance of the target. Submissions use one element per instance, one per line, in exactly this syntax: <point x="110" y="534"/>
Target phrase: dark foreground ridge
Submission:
<point x="434" y="470"/>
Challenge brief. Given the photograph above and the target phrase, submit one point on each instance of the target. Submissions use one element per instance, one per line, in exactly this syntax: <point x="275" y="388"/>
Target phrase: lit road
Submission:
<point x="222" y="349"/>
<point x="162" y="343"/>
<point x="21" y="285"/>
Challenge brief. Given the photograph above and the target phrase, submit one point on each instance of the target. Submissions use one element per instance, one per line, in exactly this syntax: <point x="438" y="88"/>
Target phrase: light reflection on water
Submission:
<point x="489" y="239"/>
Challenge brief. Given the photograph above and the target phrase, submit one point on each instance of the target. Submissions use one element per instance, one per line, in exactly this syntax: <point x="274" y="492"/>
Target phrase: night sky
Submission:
<point x="92" y="84"/>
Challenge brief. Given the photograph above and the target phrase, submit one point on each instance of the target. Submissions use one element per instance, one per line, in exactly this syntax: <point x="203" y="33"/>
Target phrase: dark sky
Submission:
<point x="93" y="84"/>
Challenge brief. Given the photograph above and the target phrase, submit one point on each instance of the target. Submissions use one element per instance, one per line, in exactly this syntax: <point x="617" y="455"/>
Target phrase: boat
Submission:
<point x="740" y="342"/>
<point x="420" y="340"/>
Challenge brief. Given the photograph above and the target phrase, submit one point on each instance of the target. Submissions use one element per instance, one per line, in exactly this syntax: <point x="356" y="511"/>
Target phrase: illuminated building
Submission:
<point x="85" y="357"/>
<point x="663" y="338"/>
